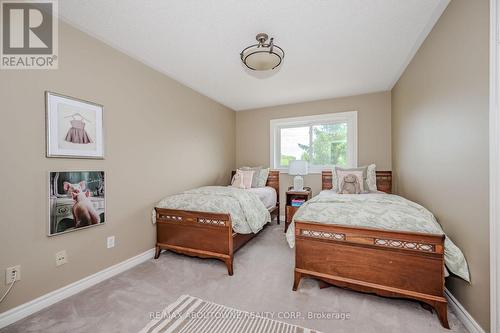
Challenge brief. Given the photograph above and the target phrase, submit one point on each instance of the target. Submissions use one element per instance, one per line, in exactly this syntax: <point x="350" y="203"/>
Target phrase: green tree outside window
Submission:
<point x="328" y="145"/>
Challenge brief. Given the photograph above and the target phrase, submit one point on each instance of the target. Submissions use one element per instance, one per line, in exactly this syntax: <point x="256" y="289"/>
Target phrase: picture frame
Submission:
<point x="76" y="200"/>
<point x="74" y="127"/>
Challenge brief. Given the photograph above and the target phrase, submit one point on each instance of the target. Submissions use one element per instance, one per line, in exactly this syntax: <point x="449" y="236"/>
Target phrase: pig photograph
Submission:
<point x="76" y="200"/>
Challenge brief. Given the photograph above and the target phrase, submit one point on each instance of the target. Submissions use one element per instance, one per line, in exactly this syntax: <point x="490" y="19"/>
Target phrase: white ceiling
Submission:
<point x="332" y="47"/>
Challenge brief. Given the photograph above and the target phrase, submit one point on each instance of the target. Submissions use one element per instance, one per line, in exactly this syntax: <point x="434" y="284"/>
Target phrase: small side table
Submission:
<point x="291" y="195"/>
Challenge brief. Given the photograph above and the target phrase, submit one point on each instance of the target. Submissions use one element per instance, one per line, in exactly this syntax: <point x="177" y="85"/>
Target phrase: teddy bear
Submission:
<point x="350" y="185"/>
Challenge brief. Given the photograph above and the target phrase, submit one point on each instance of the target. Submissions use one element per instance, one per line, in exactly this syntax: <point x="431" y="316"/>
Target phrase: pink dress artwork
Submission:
<point x="77" y="133"/>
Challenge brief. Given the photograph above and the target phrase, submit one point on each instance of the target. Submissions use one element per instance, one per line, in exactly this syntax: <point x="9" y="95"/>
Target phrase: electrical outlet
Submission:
<point x="12" y="274"/>
<point x="110" y="242"/>
<point x="61" y="258"/>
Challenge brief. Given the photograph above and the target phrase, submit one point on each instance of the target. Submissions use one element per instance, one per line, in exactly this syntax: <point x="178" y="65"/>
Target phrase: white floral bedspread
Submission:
<point x="384" y="211"/>
<point x="248" y="213"/>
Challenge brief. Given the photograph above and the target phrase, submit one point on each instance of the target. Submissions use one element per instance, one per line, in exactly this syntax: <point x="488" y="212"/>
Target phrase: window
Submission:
<point x="323" y="140"/>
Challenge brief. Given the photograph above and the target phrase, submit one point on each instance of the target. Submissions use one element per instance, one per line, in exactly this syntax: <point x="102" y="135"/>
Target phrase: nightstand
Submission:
<point x="291" y="195"/>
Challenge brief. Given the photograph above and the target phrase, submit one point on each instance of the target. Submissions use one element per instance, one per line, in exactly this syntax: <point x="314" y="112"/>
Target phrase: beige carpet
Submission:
<point x="262" y="283"/>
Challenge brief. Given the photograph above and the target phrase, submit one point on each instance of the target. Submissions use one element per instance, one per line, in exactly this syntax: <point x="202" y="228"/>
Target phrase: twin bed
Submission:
<point x="215" y="221"/>
<point x="376" y="243"/>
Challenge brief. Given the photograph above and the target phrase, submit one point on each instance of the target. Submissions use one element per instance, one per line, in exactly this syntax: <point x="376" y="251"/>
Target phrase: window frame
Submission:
<point x="349" y="117"/>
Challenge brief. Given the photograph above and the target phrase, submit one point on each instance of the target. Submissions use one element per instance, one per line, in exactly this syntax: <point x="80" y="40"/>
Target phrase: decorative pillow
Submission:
<point x="336" y="180"/>
<point x="256" y="174"/>
<point x="242" y="179"/>
<point x="371" y="178"/>
<point x="350" y="182"/>
<point x="237" y="180"/>
<point x="263" y="175"/>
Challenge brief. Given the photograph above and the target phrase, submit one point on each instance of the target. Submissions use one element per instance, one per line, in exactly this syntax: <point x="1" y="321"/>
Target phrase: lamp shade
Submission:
<point x="298" y="168"/>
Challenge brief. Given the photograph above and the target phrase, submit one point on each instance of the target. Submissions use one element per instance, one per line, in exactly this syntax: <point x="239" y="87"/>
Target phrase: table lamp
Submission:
<point x="298" y="169"/>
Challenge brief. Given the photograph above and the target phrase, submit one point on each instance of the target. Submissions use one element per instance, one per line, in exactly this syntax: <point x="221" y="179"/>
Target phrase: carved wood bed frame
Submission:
<point x="386" y="263"/>
<point x="204" y="234"/>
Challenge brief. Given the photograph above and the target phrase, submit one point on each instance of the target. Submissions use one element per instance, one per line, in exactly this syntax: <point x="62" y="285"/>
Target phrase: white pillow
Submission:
<point x="242" y="179"/>
<point x="335" y="180"/>
<point x="263" y="175"/>
<point x="256" y="173"/>
<point x="341" y="174"/>
<point x="371" y="178"/>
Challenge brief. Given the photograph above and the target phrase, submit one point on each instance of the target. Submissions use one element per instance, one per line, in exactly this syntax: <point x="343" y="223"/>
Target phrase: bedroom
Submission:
<point x="159" y="116"/>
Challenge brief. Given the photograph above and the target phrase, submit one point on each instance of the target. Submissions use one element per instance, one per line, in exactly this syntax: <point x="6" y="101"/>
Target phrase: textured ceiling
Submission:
<point x="333" y="47"/>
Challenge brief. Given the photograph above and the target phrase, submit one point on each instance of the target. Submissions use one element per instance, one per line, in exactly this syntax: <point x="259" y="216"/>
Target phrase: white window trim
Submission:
<point x="351" y="117"/>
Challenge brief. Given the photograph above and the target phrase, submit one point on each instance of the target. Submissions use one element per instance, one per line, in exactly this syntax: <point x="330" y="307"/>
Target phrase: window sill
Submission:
<point x="311" y="172"/>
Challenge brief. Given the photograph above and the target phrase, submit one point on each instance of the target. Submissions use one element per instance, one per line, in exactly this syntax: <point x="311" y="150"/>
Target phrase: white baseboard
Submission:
<point x="26" y="309"/>
<point x="470" y="324"/>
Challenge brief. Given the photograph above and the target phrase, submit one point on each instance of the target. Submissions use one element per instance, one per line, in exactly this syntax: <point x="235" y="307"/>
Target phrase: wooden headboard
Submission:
<point x="384" y="180"/>
<point x="273" y="180"/>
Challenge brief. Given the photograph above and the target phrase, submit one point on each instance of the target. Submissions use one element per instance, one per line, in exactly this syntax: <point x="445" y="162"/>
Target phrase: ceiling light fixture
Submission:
<point x="262" y="56"/>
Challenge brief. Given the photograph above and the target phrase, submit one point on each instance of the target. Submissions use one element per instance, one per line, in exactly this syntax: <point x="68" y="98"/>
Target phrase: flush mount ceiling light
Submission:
<point x="262" y="56"/>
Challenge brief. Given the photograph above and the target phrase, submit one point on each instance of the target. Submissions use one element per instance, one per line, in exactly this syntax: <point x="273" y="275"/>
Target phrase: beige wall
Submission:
<point x="374" y="132"/>
<point x="440" y="139"/>
<point x="161" y="137"/>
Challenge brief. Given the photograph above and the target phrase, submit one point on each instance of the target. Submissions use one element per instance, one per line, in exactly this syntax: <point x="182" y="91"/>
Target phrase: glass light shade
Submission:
<point x="261" y="59"/>
<point x="298" y="168"/>
<point x="263" y="56"/>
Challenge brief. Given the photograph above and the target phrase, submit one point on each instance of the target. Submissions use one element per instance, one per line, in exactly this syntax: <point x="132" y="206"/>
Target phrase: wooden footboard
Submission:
<point x="387" y="263"/>
<point x="200" y="234"/>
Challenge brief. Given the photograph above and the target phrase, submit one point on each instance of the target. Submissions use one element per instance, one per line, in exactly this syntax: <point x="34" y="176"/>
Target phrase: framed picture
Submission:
<point x="74" y="127"/>
<point x="76" y="200"/>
